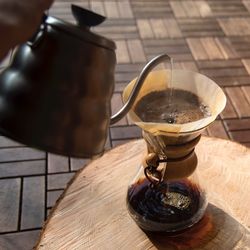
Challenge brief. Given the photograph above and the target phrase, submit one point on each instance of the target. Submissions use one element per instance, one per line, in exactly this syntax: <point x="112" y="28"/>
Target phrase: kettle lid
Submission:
<point x="85" y="19"/>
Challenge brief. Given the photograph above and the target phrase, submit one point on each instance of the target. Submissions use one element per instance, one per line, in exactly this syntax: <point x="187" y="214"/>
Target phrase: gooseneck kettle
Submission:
<point x="56" y="93"/>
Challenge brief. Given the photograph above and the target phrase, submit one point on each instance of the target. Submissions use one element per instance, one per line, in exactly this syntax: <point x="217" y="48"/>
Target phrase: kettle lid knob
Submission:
<point x="86" y="18"/>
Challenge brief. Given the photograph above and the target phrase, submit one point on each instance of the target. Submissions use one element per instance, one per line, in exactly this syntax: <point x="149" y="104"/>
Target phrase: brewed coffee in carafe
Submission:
<point x="169" y="206"/>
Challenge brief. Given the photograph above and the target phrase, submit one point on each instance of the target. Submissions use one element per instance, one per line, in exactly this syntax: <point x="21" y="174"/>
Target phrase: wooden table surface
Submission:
<point x="92" y="214"/>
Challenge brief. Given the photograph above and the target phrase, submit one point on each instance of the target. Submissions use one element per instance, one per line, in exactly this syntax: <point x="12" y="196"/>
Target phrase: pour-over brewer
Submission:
<point x="165" y="194"/>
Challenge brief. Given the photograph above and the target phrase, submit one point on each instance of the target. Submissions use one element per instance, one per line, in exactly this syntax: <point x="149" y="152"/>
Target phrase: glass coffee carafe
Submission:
<point x="166" y="193"/>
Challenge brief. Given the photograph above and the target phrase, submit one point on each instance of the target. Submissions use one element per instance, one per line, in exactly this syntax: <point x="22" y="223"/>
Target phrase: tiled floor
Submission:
<point x="209" y="36"/>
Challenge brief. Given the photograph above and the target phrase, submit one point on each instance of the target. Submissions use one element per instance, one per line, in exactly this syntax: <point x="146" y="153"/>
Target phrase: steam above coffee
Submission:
<point x="171" y="106"/>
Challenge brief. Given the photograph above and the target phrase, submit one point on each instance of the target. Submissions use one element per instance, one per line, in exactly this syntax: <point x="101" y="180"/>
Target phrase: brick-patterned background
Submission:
<point x="208" y="36"/>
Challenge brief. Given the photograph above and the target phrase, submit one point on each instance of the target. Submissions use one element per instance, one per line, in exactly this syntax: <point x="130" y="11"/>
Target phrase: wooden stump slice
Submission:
<point x="92" y="214"/>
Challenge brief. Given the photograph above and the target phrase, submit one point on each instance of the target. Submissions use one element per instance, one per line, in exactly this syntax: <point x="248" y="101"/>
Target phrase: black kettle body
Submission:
<point x="56" y="93"/>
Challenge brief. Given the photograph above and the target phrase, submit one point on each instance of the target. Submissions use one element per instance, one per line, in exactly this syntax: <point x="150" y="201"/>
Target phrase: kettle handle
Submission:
<point x="38" y="36"/>
<point x="139" y="82"/>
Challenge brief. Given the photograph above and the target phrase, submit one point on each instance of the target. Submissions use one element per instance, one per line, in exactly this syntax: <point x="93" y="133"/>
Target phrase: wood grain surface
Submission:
<point x="92" y="212"/>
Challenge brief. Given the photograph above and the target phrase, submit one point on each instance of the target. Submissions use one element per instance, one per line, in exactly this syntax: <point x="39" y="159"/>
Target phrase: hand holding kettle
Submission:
<point x="19" y="20"/>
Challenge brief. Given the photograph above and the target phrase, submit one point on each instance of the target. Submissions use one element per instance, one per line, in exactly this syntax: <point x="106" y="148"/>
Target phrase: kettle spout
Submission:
<point x="139" y="82"/>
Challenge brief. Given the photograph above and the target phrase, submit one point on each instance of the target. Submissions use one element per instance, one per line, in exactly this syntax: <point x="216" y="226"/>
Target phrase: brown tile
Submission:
<point x="246" y="63"/>
<point x="197" y="49"/>
<point x="145" y="28"/>
<point x="215" y="64"/>
<point x="164" y="42"/>
<point x="246" y="91"/>
<point x="200" y="27"/>
<point x="159" y="29"/>
<point x="239" y="101"/>
<point x="151" y="9"/>
<point x="19" y="241"/>
<point x="181" y="57"/>
<point x="175" y="49"/>
<point x="118" y="133"/>
<point x="189" y="24"/>
<point x="118" y="32"/>
<point x="178" y="65"/>
<point x="98" y="7"/>
<point x="125" y="77"/>
<point x="227" y="27"/>
<point x="229" y="111"/>
<point x="213" y="51"/>
<point x="241" y="124"/>
<point x="226" y="48"/>
<point x="220" y="72"/>
<point x="203" y="8"/>
<point x="188" y="66"/>
<point x="76" y="163"/>
<point x="9" y="204"/>
<point x="20" y="154"/>
<point x="190" y="8"/>
<point x="122" y="54"/>
<point x="119" y="87"/>
<point x="52" y="197"/>
<point x="241" y="136"/>
<point x="201" y="33"/>
<point x="116" y="143"/>
<point x="121" y="22"/>
<point x="216" y="129"/>
<point x="125" y="9"/>
<point x="237" y="26"/>
<point x="136" y="51"/>
<point x="111" y="9"/>
<point x="24" y="168"/>
<point x="135" y="67"/>
<point x="6" y="142"/>
<point x="57" y="163"/>
<point x="231" y="80"/>
<point x="33" y="202"/>
<point x="242" y="45"/>
<point x="247" y="4"/>
<point x="228" y="8"/>
<point x="116" y="28"/>
<point x="121" y="35"/>
<point x="117" y="104"/>
<point x="178" y="9"/>
<point x="58" y="181"/>
<point x="172" y="28"/>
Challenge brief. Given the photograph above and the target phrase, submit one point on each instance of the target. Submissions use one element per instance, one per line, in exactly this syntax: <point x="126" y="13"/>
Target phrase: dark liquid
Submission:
<point x="166" y="207"/>
<point x="183" y="107"/>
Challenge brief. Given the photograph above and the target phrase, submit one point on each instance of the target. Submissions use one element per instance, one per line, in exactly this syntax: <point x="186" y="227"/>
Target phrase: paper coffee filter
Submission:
<point x="206" y="89"/>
